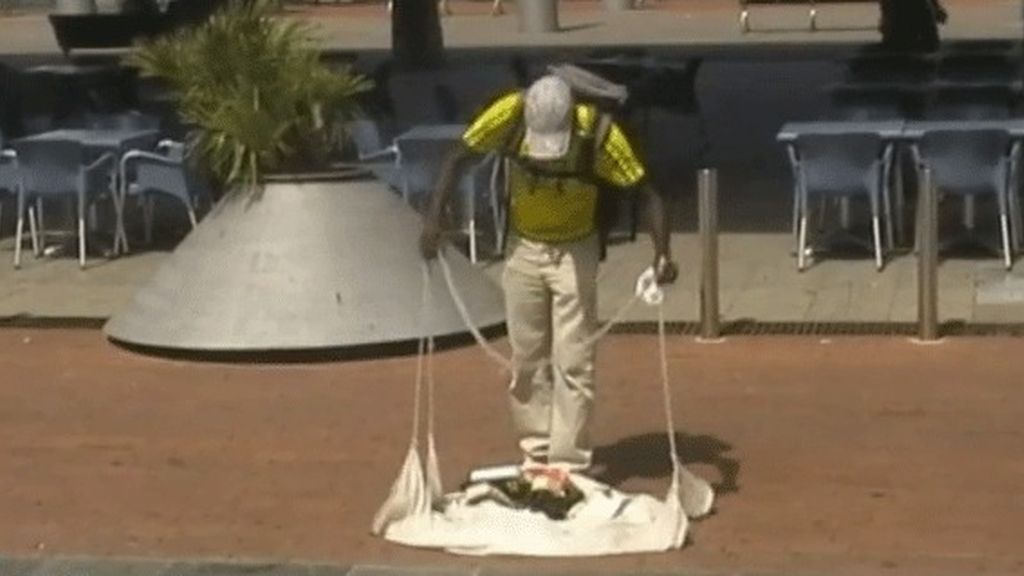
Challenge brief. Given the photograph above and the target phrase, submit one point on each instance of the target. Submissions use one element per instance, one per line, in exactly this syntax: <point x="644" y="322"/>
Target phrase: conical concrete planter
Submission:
<point x="307" y="266"/>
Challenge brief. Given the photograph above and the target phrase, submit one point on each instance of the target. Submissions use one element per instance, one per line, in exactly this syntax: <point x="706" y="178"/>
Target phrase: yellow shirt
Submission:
<point x="551" y="209"/>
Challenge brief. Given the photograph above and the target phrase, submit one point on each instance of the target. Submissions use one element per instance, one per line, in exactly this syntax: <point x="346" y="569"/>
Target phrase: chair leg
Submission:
<point x="876" y="231"/>
<point x="147" y="218"/>
<point x="796" y="220"/>
<point x="1016" y="223"/>
<point x="634" y="216"/>
<point x="472" y="239"/>
<point x="33" y="233"/>
<point x="801" y="248"/>
<point x="495" y="201"/>
<point x="93" y="218"/>
<point x="801" y="244"/>
<point x="1007" y="250"/>
<point x="40" y="225"/>
<point x="900" y="198"/>
<point x="844" y="212"/>
<point x="192" y="218"/>
<point x="969" y="211"/>
<point x="499" y="233"/>
<point x="19" y="228"/>
<point x="81" y="233"/>
<point x="890" y="242"/>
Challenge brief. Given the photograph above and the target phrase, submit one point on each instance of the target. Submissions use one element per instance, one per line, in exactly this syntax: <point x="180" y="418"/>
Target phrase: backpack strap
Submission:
<point x="602" y="128"/>
<point x="506" y="154"/>
<point x="607" y="201"/>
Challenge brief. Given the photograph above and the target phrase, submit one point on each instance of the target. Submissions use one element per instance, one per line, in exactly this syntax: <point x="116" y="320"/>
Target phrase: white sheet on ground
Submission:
<point x="479" y="521"/>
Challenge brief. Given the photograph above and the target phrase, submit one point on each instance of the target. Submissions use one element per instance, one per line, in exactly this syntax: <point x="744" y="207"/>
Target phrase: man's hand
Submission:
<point x="665" y="271"/>
<point x="430" y="241"/>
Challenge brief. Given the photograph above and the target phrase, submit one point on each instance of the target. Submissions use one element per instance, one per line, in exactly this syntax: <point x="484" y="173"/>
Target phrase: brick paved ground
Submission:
<point x="849" y="456"/>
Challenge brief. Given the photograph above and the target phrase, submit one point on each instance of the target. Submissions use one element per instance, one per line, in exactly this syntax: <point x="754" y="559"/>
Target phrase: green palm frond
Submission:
<point x="255" y="86"/>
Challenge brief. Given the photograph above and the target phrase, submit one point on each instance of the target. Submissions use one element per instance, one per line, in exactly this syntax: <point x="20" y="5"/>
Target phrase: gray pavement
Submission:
<point x="759" y="282"/>
<point x="585" y="24"/>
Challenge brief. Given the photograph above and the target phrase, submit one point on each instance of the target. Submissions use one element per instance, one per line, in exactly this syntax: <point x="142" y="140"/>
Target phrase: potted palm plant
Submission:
<point x="256" y="90"/>
<point x="298" y="254"/>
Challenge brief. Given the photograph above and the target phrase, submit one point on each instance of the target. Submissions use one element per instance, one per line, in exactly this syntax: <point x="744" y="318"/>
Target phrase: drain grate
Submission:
<point x="51" y="322"/>
<point x="733" y="328"/>
<point x="754" y="328"/>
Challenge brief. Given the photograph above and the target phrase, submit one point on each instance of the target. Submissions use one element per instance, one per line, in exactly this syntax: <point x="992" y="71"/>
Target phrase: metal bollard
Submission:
<point x="927" y="260"/>
<point x="538" y="15"/>
<point x="707" y="199"/>
<point x="618" y="5"/>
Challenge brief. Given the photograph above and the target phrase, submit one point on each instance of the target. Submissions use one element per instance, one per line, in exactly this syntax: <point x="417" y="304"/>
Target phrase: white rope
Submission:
<point x="670" y="426"/>
<point x="460" y="306"/>
<point x="495" y="354"/>
<point x="647" y="289"/>
<point x="421" y="352"/>
<point x="424" y="364"/>
<point x="697" y="494"/>
<point x="428" y="303"/>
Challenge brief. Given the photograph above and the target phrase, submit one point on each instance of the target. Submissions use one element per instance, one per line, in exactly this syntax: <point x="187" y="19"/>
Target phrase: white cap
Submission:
<point x="548" y="118"/>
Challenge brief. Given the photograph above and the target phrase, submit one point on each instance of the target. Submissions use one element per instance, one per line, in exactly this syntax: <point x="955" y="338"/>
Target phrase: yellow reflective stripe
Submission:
<point x="490" y="129"/>
<point x="618" y="164"/>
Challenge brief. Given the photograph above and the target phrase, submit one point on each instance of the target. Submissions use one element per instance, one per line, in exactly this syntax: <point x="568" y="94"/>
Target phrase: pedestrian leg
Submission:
<point x="574" y="321"/>
<point x="528" y="316"/>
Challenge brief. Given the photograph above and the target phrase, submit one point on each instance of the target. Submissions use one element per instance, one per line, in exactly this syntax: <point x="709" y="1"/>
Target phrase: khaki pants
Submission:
<point x="551" y="307"/>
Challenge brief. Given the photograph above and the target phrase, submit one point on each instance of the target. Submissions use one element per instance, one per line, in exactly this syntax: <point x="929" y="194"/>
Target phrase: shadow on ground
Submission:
<point x="645" y="456"/>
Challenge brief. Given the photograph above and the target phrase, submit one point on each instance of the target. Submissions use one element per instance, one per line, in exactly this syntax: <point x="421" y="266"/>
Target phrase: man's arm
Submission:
<point x="618" y="164"/>
<point x="433" y="226"/>
<point x="663" y="266"/>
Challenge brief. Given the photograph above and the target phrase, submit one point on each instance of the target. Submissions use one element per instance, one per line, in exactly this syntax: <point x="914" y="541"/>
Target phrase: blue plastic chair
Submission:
<point x="842" y="166"/>
<point x="374" y="151"/>
<point x="8" y="175"/>
<point x="9" y="184"/>
<point x="55" y="169"/>
<point x="368" y="136"/>
<point x="420" y="163"/>
<point x="972" y="163"/>
<point x="167" y="172"/>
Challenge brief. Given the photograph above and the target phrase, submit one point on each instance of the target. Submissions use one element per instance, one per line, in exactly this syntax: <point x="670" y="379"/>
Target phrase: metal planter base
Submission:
<point x="307" y="266"/>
